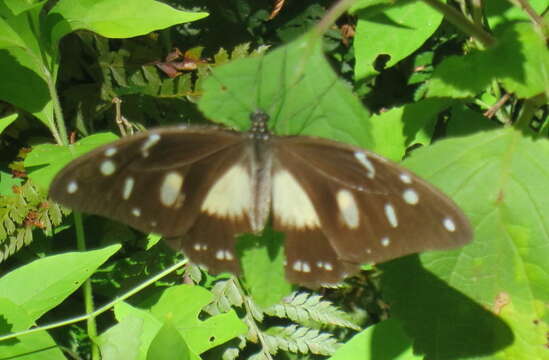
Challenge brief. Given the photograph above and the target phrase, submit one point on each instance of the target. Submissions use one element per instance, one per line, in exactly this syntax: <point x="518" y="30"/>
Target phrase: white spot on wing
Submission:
<point x="136" y="212"/>
<point x="222" y="254"/>
<point x="363" y="159"/>
<point x="170" y="190"/>
<point x="306" y="268"/>
<point x="298" y="266"/>
<point x="151" y="141"/>
<point x="328" y="266"/>
<point x="72" y="187"/>
<point x="110" y="151"/>
<point x="405" y="178"/>
<point x="107" y="168"/>
<point x="291" y="205"/>
<point x="449" y="224"/>
<point x="230" y="196"/>
<point x="391" y="215"/>
<point x="385" y="241"/>
<point x="348" y="208"/>
<point x="410" y="196"/>
<point x="128" y="187"/>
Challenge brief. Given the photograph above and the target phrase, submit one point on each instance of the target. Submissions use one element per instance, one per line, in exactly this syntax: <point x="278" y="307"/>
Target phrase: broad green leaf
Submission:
<point x="383" y="341"/>
<point x="6" y="121"/>
<point x="182" y="305"/>
<point x="169" y="344"/>
<point x="388" y="130"/>
<point x="23" y="64"/>
<point x="465" y="121"/>
<point x="493" y="288"/>
<point x="396" y="33"/>
<point x="44" y="283"/>
<point x="113" y="19"/>
<point x="360" y="5"/>
<point x="36" y="346"/>
<point x="8" y="37"/>
<point x="296" y="86"/>
<point x="47" y="159"/>
<point x="16" y="7"/>
<point x="262" y="262"/>
<point x="499" y="12"/>
<point x="525" y="70"/>
<point x="121" y="341"/>
<point x="7" y="182"/>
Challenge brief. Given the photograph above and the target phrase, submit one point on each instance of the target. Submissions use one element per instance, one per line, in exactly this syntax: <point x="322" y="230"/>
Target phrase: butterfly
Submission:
<point x="338" y="205"/>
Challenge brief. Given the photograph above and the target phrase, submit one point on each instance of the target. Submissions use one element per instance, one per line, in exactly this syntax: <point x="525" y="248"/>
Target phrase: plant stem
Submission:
<point x="99" y="311"/>
<point x="251" y="321"/>
<point x="462" y="23"/>
<point x="58" y="129"/>
<point x="87" y="289"/>
<point x="331" y="16"/>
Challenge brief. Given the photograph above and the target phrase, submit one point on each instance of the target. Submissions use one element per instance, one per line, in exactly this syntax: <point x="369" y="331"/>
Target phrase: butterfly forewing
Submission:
<point x="162" y="181"/>
<point x="367" y="208"/>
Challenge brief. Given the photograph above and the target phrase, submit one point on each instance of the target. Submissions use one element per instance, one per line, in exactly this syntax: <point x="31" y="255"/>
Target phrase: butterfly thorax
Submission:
<point x="259" y="130"/>
<point x="261" y="167"/>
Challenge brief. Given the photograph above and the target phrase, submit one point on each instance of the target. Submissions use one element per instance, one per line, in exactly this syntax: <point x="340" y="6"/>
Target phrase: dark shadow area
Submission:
<point x="442" y="322"/>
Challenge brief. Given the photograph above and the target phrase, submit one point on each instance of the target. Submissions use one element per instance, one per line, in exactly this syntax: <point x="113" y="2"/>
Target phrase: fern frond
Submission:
<point x="226" y="295"/>
<point x="303" y="307"/>
<point x="300" y="339"/>
<point x="23" y="211"/>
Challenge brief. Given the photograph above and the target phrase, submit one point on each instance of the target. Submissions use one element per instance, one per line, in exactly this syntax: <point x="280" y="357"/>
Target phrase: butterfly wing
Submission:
<point x="352" y="207"/>
<point x="164" y="181"/>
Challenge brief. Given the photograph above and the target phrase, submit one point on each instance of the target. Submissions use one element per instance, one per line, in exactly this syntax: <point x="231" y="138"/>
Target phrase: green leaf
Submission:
<point x="296" y="86"/>
<point x="182" y="305"/>
<point x="499" y="12"/>
<point x="110" y="18"/>
<point x="494" y="287"/>
<point x="43" y="284"/>
<point x="465" y="121"/>
<point x="36" y="346"/>
<point x="397" y="32"/>
<point x="50" y="159"/>
<point x="7" y="181"/>
<point x="523" y="72"/>
<point x="383" y="341"/>
<point x="262" y="262"/>
<point x="6" y="121"/>
<point x="122" y="340"/>
<point x="169" y="344"/>
<point x="8" y="37"/>
<point x="26" y="64"/>
<point x="16" y="7"/>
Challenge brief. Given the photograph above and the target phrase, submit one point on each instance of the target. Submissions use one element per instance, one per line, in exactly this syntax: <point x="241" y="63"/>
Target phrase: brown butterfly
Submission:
<point x="338" y="205"/>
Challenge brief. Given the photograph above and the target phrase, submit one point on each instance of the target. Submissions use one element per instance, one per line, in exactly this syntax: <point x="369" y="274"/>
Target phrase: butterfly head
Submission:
<point x="260" y="128"/>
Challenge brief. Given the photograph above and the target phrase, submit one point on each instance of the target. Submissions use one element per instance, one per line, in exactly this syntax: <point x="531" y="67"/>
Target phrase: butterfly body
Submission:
<point x="338" y="205"/>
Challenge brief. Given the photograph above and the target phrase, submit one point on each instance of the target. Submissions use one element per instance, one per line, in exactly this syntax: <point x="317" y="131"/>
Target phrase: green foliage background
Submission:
<point x="456" y="91"/>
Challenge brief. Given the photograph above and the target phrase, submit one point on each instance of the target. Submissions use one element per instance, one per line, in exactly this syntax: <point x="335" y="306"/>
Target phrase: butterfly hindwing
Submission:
<point x="367" y="208"/>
